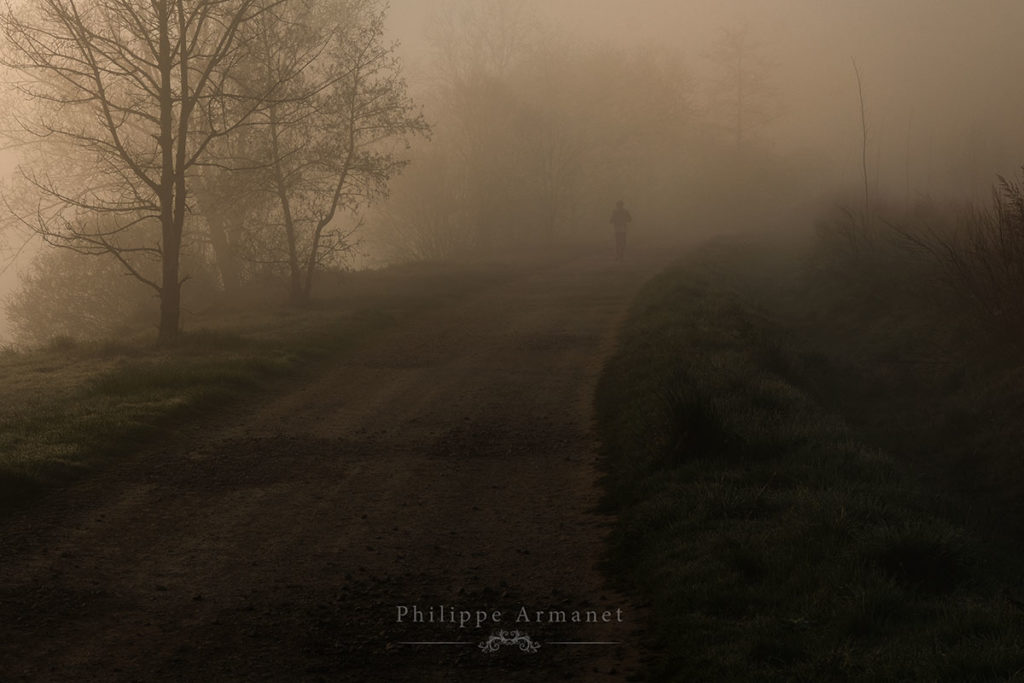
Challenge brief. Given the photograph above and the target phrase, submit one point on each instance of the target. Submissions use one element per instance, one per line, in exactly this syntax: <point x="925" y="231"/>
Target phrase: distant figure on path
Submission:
<point x="621" y="220"/>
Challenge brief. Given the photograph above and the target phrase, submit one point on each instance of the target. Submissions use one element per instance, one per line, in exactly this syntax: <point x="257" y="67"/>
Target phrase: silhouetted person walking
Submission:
<point x="620" y="220"/>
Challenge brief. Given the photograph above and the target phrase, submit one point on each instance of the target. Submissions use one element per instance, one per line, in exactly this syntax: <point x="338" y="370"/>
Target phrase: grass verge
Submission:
<point x="771" y="543"/>
<point x="73" y="406"/>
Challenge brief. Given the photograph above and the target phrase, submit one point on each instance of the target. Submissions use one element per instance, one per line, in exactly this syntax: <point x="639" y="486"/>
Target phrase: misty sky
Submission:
<point x="944" y="79"/>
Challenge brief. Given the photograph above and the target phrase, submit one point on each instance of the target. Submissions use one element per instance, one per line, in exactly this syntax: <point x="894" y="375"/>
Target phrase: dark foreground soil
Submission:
<point x="447" y="462"/>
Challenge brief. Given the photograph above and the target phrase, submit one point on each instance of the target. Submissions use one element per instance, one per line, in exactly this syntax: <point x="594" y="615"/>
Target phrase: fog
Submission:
<point x="703" y="316"/>
<point x="941" y="107"/>
<point x="627" y="100"/>
<point x="939" y="75"/>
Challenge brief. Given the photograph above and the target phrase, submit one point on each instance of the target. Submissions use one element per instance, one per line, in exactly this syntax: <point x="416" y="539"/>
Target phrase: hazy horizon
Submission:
<point x="937" y="73"/>
<point x="939" y="80"/>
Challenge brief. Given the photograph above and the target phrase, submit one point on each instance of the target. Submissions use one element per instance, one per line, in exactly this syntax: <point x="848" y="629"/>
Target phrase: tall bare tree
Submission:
<point x="129" y="96"/>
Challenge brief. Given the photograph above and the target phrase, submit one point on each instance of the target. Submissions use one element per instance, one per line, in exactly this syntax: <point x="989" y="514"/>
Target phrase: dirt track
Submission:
<point x="448" y="461"/>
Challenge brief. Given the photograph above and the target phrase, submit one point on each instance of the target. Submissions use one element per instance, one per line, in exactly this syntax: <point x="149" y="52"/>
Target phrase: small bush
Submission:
<point x="62" y="342"/>
<point x="67" y="295"/>
<point x="86" y="297"/>
<point x="984" y="258"/>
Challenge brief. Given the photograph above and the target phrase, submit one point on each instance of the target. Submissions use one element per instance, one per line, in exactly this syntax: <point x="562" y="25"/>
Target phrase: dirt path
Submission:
<point x="448" y="462"/>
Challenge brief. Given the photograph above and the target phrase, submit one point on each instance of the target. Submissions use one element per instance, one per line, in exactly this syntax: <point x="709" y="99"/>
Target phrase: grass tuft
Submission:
<point x="694" y="424"/>
<point x="929" y="560"/>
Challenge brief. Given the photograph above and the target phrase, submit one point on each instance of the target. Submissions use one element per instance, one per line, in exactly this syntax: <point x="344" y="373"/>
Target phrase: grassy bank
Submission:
<point x="770" y="540"/>
<point x="73" y="406"/>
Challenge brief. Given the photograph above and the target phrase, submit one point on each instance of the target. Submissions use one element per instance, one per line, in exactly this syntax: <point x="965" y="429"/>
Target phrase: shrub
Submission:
<point x="984" y="257"/>
<point x="972" y="255"/>
<point x="67" y="295"/>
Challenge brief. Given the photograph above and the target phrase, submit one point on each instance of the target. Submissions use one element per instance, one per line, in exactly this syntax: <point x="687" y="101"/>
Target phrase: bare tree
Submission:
<point x="533" y="157"/>
<point x="228" y="202"/>
<point x="480" y="47"/>
<point x="130" y="95"/>
<point x="863" y="140"/>
<point x="331" y="147"/>
<point x="475" y="39"/>
<point x="742" y="86"/>
<point x="230" y="197"/>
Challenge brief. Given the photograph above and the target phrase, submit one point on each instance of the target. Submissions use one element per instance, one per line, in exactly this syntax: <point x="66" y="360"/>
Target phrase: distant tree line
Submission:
<point x="535" y="138"/>
<point x="230" y="143"/>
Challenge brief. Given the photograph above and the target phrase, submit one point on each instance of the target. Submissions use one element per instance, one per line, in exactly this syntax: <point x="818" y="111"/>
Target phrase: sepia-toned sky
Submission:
<point x="944" y="79"/>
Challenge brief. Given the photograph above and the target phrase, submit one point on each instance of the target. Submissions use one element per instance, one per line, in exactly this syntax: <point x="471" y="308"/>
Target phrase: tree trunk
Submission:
<point x="170" y="298"/>
<point x="307" y="291"/>
<point x="225" y="225"/>
<point x="170" y="292"/>
<point x="172" y="247"/>
<point x="296" y="293"/>
<point x="224" y="253"/>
